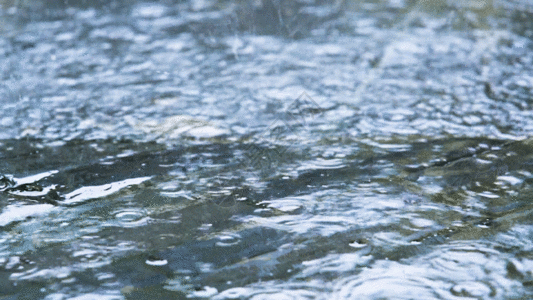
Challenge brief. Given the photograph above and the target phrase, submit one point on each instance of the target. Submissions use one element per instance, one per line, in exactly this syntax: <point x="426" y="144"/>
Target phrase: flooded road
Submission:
<point x="266" y="149"/>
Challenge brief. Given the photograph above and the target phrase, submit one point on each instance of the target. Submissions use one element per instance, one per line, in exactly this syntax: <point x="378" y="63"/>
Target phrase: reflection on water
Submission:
<point x="266" y="149"/>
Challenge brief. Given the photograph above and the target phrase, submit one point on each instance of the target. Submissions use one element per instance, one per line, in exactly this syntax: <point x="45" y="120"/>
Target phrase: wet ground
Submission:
<point x="266" y="149"/>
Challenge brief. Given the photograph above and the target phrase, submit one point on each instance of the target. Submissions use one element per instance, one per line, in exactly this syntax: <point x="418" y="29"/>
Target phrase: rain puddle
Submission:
<point x="216" y="149"/>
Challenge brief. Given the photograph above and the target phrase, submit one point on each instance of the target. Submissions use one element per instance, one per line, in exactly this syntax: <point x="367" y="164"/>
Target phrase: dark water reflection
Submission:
<point x="266" y="150"/>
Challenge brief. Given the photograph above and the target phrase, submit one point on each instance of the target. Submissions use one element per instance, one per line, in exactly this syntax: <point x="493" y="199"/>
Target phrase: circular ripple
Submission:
<point x="387" y="280"/>
<point x="131" y="217"/>
<point x="228" y="239"/>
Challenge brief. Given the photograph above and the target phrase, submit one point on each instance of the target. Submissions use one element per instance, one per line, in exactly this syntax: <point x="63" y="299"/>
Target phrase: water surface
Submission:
<point x="266" y="150"/>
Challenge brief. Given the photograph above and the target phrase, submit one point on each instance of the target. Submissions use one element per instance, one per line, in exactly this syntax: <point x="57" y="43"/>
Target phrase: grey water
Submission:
<point x="269" y="149"/>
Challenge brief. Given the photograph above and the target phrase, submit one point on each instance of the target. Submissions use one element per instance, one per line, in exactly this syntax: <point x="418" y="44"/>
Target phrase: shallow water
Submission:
<point x="266" y="150"/>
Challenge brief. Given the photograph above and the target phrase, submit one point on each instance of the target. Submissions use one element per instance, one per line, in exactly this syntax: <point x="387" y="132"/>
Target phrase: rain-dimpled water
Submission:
<point x="266" y="149"/>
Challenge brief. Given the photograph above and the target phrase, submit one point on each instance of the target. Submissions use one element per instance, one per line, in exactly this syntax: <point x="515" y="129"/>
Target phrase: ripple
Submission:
<point x="272" y="291"/>
<point x="228" y="239"/>
<point x="334" y="263"/>
<point x="510" y="179"/>
<point x="289" y="204"/>
<point x="458" y="269"/>
<point x="487" y="194"/>
<point x="519" y="236"/>
<point x="206" y="292"/>
<point x="174" y="75"/>
<point x="148" y="10"/>
<point x="386" y="280"/>
<point x="35" y="273"/>
<point x="156" y="262"/>
<point x="321" y="163"/>
<point x="463" y="261"/>
<point x="473" y="289"/>
<point x="131" y="217"/>
<point x="474" y="268"/>
<point x="386" y="145"/>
